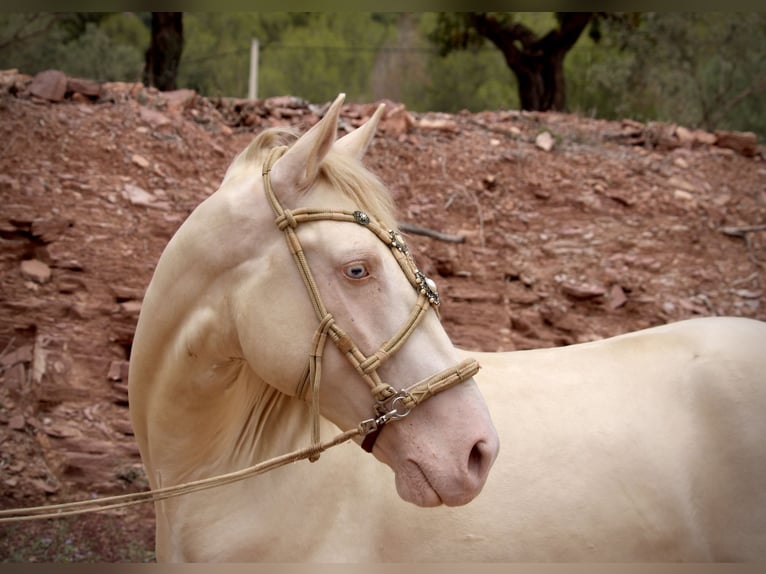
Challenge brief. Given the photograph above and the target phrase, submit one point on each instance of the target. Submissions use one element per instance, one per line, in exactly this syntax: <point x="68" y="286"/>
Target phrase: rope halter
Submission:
<point x="390" y="404"/>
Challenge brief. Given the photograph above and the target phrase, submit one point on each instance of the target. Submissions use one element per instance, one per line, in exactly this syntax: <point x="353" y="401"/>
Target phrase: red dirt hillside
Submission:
<point x="572" y="229"/>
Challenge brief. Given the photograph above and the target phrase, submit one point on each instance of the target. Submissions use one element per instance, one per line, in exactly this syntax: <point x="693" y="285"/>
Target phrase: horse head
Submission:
<point x="443" y="450"/>
<point x="296" y="249"/>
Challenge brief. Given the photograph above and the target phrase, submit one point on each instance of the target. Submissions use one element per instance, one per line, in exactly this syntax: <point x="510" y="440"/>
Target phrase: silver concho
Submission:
<point x="361" y="218"/>
<point x="397" y="241"/>
<point x="428" y="288"/>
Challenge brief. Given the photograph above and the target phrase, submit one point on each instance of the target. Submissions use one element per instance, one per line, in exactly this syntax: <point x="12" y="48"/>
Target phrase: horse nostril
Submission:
<point x="479" y="461"/>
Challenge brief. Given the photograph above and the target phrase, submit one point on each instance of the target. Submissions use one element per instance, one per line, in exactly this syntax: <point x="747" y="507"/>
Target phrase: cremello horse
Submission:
<point x="648" y="446"/>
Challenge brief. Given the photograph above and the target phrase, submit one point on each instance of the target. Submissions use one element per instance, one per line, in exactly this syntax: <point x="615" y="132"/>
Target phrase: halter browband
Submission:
<point x="390" y="403"/>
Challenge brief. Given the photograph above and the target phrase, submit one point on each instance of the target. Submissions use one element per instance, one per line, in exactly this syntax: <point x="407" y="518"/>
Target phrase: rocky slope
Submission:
<point x="571" y="229"/>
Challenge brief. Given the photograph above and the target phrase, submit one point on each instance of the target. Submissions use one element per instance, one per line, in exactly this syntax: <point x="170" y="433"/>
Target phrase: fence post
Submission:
<point x="252" y="88"/>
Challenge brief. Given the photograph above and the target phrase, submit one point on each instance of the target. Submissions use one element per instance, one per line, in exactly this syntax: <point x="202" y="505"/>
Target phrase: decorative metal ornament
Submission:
<point x="397" y="241"/>
<point x="361" y="218"/>
<point x="428" y="288"/>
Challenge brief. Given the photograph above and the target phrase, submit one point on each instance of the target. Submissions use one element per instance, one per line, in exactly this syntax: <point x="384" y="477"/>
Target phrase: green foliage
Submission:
<point x="312" y="55"/>
<point x="700" y="70"/>
<point x="474" y="79"/>
<point x="704" y="70"/>
<point x="107" y="48"/>
<point x="332" y="53"/>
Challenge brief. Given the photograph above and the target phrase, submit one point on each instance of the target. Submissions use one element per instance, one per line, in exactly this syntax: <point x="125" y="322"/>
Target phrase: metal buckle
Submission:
<point x="398" y="409"/>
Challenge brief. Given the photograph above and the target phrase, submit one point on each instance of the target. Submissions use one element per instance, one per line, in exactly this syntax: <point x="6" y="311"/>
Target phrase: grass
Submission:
<point x="87" y="538"/>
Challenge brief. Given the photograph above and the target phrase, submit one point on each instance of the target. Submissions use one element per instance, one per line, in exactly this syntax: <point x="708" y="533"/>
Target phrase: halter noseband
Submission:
<point x="390" y="404"/>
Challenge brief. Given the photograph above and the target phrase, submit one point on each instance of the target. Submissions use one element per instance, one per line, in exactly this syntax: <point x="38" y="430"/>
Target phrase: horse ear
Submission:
<point x="297" y="169"/>
<point x="356" y="143"/>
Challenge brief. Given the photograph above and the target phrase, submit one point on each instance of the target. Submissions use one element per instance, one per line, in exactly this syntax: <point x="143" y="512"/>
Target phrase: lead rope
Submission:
<point x="124" y="500"/>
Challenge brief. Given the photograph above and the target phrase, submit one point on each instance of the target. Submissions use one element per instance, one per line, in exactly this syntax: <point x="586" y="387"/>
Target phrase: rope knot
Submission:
<point x="373" y="362"/>
<point x="287" y="219"/>
<point x="382" y="392"/>
<point x="314" y="451"/>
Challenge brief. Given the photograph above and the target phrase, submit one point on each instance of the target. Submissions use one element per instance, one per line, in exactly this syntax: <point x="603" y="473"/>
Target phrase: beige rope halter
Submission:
<point x="390" y="404"/>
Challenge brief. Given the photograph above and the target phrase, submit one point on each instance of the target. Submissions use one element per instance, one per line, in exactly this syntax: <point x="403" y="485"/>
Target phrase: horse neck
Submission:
<point x="205" y="409"/>
<point x="216" y="416"/>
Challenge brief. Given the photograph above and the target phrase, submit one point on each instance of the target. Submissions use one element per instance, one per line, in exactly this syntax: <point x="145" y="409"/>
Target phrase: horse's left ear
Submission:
<point x="297" y="169"/>
<point x="356" y="143"/>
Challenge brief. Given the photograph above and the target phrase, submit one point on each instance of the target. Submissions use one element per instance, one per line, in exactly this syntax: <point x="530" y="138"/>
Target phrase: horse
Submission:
<point x="647" y="446"/>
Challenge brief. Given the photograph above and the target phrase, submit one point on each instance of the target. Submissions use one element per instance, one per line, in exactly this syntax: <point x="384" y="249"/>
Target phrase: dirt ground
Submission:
<point x="596" y="229"/>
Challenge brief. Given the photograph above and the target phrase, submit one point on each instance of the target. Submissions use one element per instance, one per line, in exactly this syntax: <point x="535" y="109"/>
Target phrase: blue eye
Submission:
<point x="356" y="271"/>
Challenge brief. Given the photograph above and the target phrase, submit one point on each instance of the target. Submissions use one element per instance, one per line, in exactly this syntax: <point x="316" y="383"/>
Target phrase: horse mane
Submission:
<point x="345" y="173"/>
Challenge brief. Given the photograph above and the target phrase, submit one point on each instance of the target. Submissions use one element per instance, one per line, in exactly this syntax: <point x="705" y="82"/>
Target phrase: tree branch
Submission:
<point x="411" y="228"/>
<point x="571" y="26"/>
<point x="30" y="19"/>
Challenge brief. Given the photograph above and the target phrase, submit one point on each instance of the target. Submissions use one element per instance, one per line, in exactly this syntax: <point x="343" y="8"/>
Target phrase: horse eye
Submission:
<point x="356" y="271"/>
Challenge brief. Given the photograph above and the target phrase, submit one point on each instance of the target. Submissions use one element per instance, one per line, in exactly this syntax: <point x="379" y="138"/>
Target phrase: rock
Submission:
<point x="617" y="297"/>
<point x="118" y="371"/>
<point x="744" y="143"/>
<point x="123" y="426"/>
<point x="140" y="160"/>
<point x="8" y="183"/>
<point x="682" y="195"/>
<point x="22" y="354"/>
<point x="179" y="100"/>
<point x="582" y="291"/>
<point x="139" y="196"/>
<point x="120" y="396"/>
<point x="49" y="85"/>
<point x="748" y="293"/>
<point x="153" y="117"/>
<point x="680" y="183"/>
<point x="87" y="88"/>
<point x="632" y="124"/>
<point x="288" y="102"/>
<point x="123" y="292"/>
<point x="437" y="124"/>
<point x="45" y="486"/>
<point x="36" y="271"/>
<point x="559" y="318"/>
<point x="702" y="137"/>
<point x="17" y="422"/>
<point x="396" y="121"/>
<point x="661" y="136"/>
<point x="545" y="141"/>
<point x="131" y="307"/>
<point x="60" y="431"/>
<point x="685" y="136"/>
<point x="15" y="377"/>
<point x="50" y="229"/>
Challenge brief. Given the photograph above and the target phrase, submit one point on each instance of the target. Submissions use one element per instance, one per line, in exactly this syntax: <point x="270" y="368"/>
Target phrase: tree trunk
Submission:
<point x="537" y="63"/>
<point x="164" y="53"/>
<point x="541" y="84"/>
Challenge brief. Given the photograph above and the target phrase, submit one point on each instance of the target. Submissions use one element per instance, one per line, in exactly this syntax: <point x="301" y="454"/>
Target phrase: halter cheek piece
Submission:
<point x="390" y="404"/>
